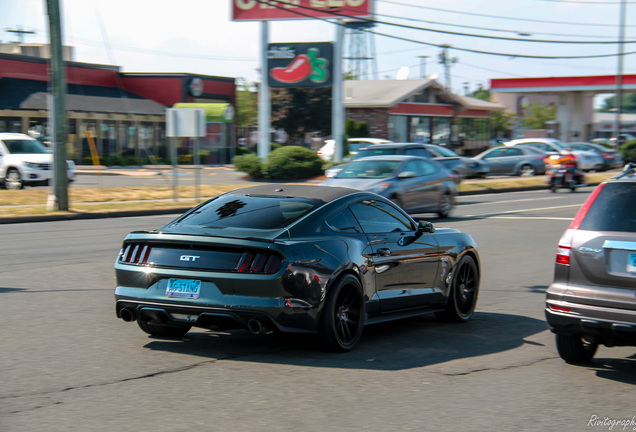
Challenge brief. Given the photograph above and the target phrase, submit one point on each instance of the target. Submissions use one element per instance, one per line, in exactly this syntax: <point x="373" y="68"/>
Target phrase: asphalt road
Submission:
<point x="67" y="364"/>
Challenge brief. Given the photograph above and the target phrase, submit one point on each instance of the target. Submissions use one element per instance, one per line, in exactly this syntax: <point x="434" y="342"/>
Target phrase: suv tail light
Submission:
<point x="564" y="248"/>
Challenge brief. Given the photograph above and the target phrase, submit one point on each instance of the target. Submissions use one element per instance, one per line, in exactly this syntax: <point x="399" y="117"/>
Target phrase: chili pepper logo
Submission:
<point x="303" y="66"/>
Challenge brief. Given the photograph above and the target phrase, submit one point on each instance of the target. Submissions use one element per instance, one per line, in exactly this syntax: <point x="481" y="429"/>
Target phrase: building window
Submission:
<point x="420" y="130"/>
<point x="398" y="128"/>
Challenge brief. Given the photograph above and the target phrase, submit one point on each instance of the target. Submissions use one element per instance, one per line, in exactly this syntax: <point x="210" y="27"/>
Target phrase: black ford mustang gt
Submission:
<point x="294" y="258"/>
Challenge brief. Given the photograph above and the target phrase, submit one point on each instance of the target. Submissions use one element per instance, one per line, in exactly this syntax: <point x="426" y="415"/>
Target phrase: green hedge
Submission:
<point x="628" y="149"/>
<point x="284" y="163"/>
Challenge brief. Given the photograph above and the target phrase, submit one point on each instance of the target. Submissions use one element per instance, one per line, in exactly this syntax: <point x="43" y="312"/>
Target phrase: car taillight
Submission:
<point x="564" y="248"/>
<point x="258" y="263"/>
<point x="135" y="253"/>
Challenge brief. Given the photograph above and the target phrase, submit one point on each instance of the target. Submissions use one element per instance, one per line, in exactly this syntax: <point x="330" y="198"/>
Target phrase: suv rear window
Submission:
<point x="613" y="210"/>
<point x="251" y="212"/>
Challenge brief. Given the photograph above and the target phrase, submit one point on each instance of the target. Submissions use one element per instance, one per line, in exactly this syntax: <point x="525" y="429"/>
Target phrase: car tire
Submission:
<point x="342" y="318"/>
<point x="574" y="349"/>
<point x="445" y="206"/>
<point x="463" y="293"/>
<point x="527" y="171"/>
<point x="12" y="180"/>
<point x="163" y="331"/>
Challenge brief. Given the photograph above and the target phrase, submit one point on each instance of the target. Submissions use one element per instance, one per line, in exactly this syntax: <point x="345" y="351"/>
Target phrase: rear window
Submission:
<point x="613" y="210"/>
<point x="251" y="212"/>
<point x="377" y="152"/>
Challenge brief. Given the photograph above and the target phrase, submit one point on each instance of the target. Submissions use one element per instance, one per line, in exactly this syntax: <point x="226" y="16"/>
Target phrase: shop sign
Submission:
<point x="196" y="87"/>
<point x="300" y="64"/>
<point x="264" y="10"/>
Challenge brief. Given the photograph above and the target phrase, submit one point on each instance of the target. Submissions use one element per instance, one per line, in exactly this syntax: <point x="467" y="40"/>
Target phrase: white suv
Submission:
<point x="26" y="161"/>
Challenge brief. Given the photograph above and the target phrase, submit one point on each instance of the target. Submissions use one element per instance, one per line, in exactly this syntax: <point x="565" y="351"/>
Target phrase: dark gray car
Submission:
<point x="520" y="161"/>
<point x="416" y="184"/>
<point x="592" y="300"/>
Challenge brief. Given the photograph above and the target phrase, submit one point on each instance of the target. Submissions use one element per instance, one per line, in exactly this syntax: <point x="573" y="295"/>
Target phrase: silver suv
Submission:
<point x="592" y="300"/>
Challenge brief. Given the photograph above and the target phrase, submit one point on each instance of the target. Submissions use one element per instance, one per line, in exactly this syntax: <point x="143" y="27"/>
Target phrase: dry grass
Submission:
<point x="32" y="202"/>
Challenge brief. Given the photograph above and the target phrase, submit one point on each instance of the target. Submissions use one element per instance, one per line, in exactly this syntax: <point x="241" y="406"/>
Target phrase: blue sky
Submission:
<point x="198" y="36"/>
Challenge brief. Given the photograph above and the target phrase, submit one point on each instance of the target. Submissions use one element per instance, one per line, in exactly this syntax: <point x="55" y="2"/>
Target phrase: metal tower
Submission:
<point x="359" y="50"/>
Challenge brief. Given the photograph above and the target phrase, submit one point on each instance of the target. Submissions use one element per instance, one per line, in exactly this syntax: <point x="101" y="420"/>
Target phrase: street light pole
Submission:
<point x="619" y="73"/>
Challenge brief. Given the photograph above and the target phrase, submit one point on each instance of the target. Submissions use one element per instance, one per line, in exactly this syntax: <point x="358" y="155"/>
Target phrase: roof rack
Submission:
<point x="628" y="170"/>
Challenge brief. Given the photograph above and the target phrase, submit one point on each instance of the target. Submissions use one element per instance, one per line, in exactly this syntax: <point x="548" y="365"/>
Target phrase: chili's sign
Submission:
<point x="300" y="64"/>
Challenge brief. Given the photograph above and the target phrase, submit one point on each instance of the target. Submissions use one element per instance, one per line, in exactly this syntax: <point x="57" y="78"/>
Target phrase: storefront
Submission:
<point x="119" y="115"/>
<point x="420" y="111"/>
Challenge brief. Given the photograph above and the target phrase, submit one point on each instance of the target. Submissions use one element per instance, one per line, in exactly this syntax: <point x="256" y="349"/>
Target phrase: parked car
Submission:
<point x="416" y="184"/>
<point x="328" y="150"/>
<point x="26" y="161"/>
<point x="294" y="258"/>
<point x="592" y="299"/>
<point x="518" y="160"/>
<point x="611" y="158"/>
<point x="586" y="160"/>
<point x="622" y="139"/>
<point x="462" y="166"/>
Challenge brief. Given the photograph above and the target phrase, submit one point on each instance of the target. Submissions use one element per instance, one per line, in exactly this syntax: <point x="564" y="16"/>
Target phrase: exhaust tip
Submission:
<point x="256" y="327"/>
<point x="127" y="315"/>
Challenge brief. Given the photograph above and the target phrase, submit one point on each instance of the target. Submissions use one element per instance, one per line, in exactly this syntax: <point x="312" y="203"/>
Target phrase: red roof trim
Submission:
<point x="422" y="109"/>
<point x="580" y="81"/>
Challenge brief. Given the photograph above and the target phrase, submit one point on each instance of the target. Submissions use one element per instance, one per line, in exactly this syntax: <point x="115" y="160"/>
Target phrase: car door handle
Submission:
<point x="383" y="251"/>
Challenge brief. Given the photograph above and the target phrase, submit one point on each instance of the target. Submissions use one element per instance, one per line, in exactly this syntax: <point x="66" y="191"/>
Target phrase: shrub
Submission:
<point x="628" y="149"/>
<point x="292" y="162"/>
<point x="250" y="164"/>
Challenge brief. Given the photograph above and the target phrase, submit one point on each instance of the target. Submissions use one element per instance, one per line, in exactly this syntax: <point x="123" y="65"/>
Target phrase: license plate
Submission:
<point x="183" y="288"/>
<point x="631" y="263"/>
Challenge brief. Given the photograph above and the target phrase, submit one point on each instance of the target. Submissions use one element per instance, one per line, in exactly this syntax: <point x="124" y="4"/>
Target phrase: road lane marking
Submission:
<point x="485" y="215"/>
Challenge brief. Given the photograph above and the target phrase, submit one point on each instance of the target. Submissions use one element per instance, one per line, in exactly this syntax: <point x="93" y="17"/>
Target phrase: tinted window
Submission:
<point x="22" y="146"/>
<point x="445" y="152"/>
<point x="377" y="217"/>
<point x="377" y="152"/>
<point x="253" y="212"/>
<point x="421" y="152"/>
<point x="368" y="169"/>
<point x="344" y="221"/>
<point x="420" y="167"/>
<point x="613" y="210"/>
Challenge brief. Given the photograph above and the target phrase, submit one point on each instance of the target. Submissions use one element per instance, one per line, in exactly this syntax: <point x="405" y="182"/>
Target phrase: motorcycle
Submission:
<point x="562" y="176"/>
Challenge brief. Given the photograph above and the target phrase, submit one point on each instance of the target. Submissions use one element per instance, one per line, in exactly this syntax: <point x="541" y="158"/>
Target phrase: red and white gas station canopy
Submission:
<point x="596" y="84"/>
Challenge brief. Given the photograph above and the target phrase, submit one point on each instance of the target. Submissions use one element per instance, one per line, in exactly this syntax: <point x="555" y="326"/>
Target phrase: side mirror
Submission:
<point x="406" y="174"/>
<point x="425" y="227"/>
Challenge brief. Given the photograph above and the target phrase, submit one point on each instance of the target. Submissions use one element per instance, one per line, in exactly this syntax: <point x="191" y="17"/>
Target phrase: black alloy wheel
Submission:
<point x="163" y="331"/>
<point x="463" y="293"/>
<point x="575" y="349"/>
<point x="343" y="315"/>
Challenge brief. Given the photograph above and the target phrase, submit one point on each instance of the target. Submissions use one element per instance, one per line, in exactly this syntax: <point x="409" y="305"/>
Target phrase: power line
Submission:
<point x="501" y="17"/>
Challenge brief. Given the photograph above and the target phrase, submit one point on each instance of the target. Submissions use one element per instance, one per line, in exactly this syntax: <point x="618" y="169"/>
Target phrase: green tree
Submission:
<point x="538" y="114"/>
<point x="301" y="110"/>
<point x="246" y="105"/>
<point x="628" y="103"/>
<point x="481" y="94"/>
<point x="501" y="122"/>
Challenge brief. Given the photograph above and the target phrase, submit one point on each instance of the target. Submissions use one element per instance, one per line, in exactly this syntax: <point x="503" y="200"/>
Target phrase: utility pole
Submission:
<point x="422" y="65"/>
<point x="447" y="62"/>
<point x="59" y="199"/>
<point x="20" y="33"/>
